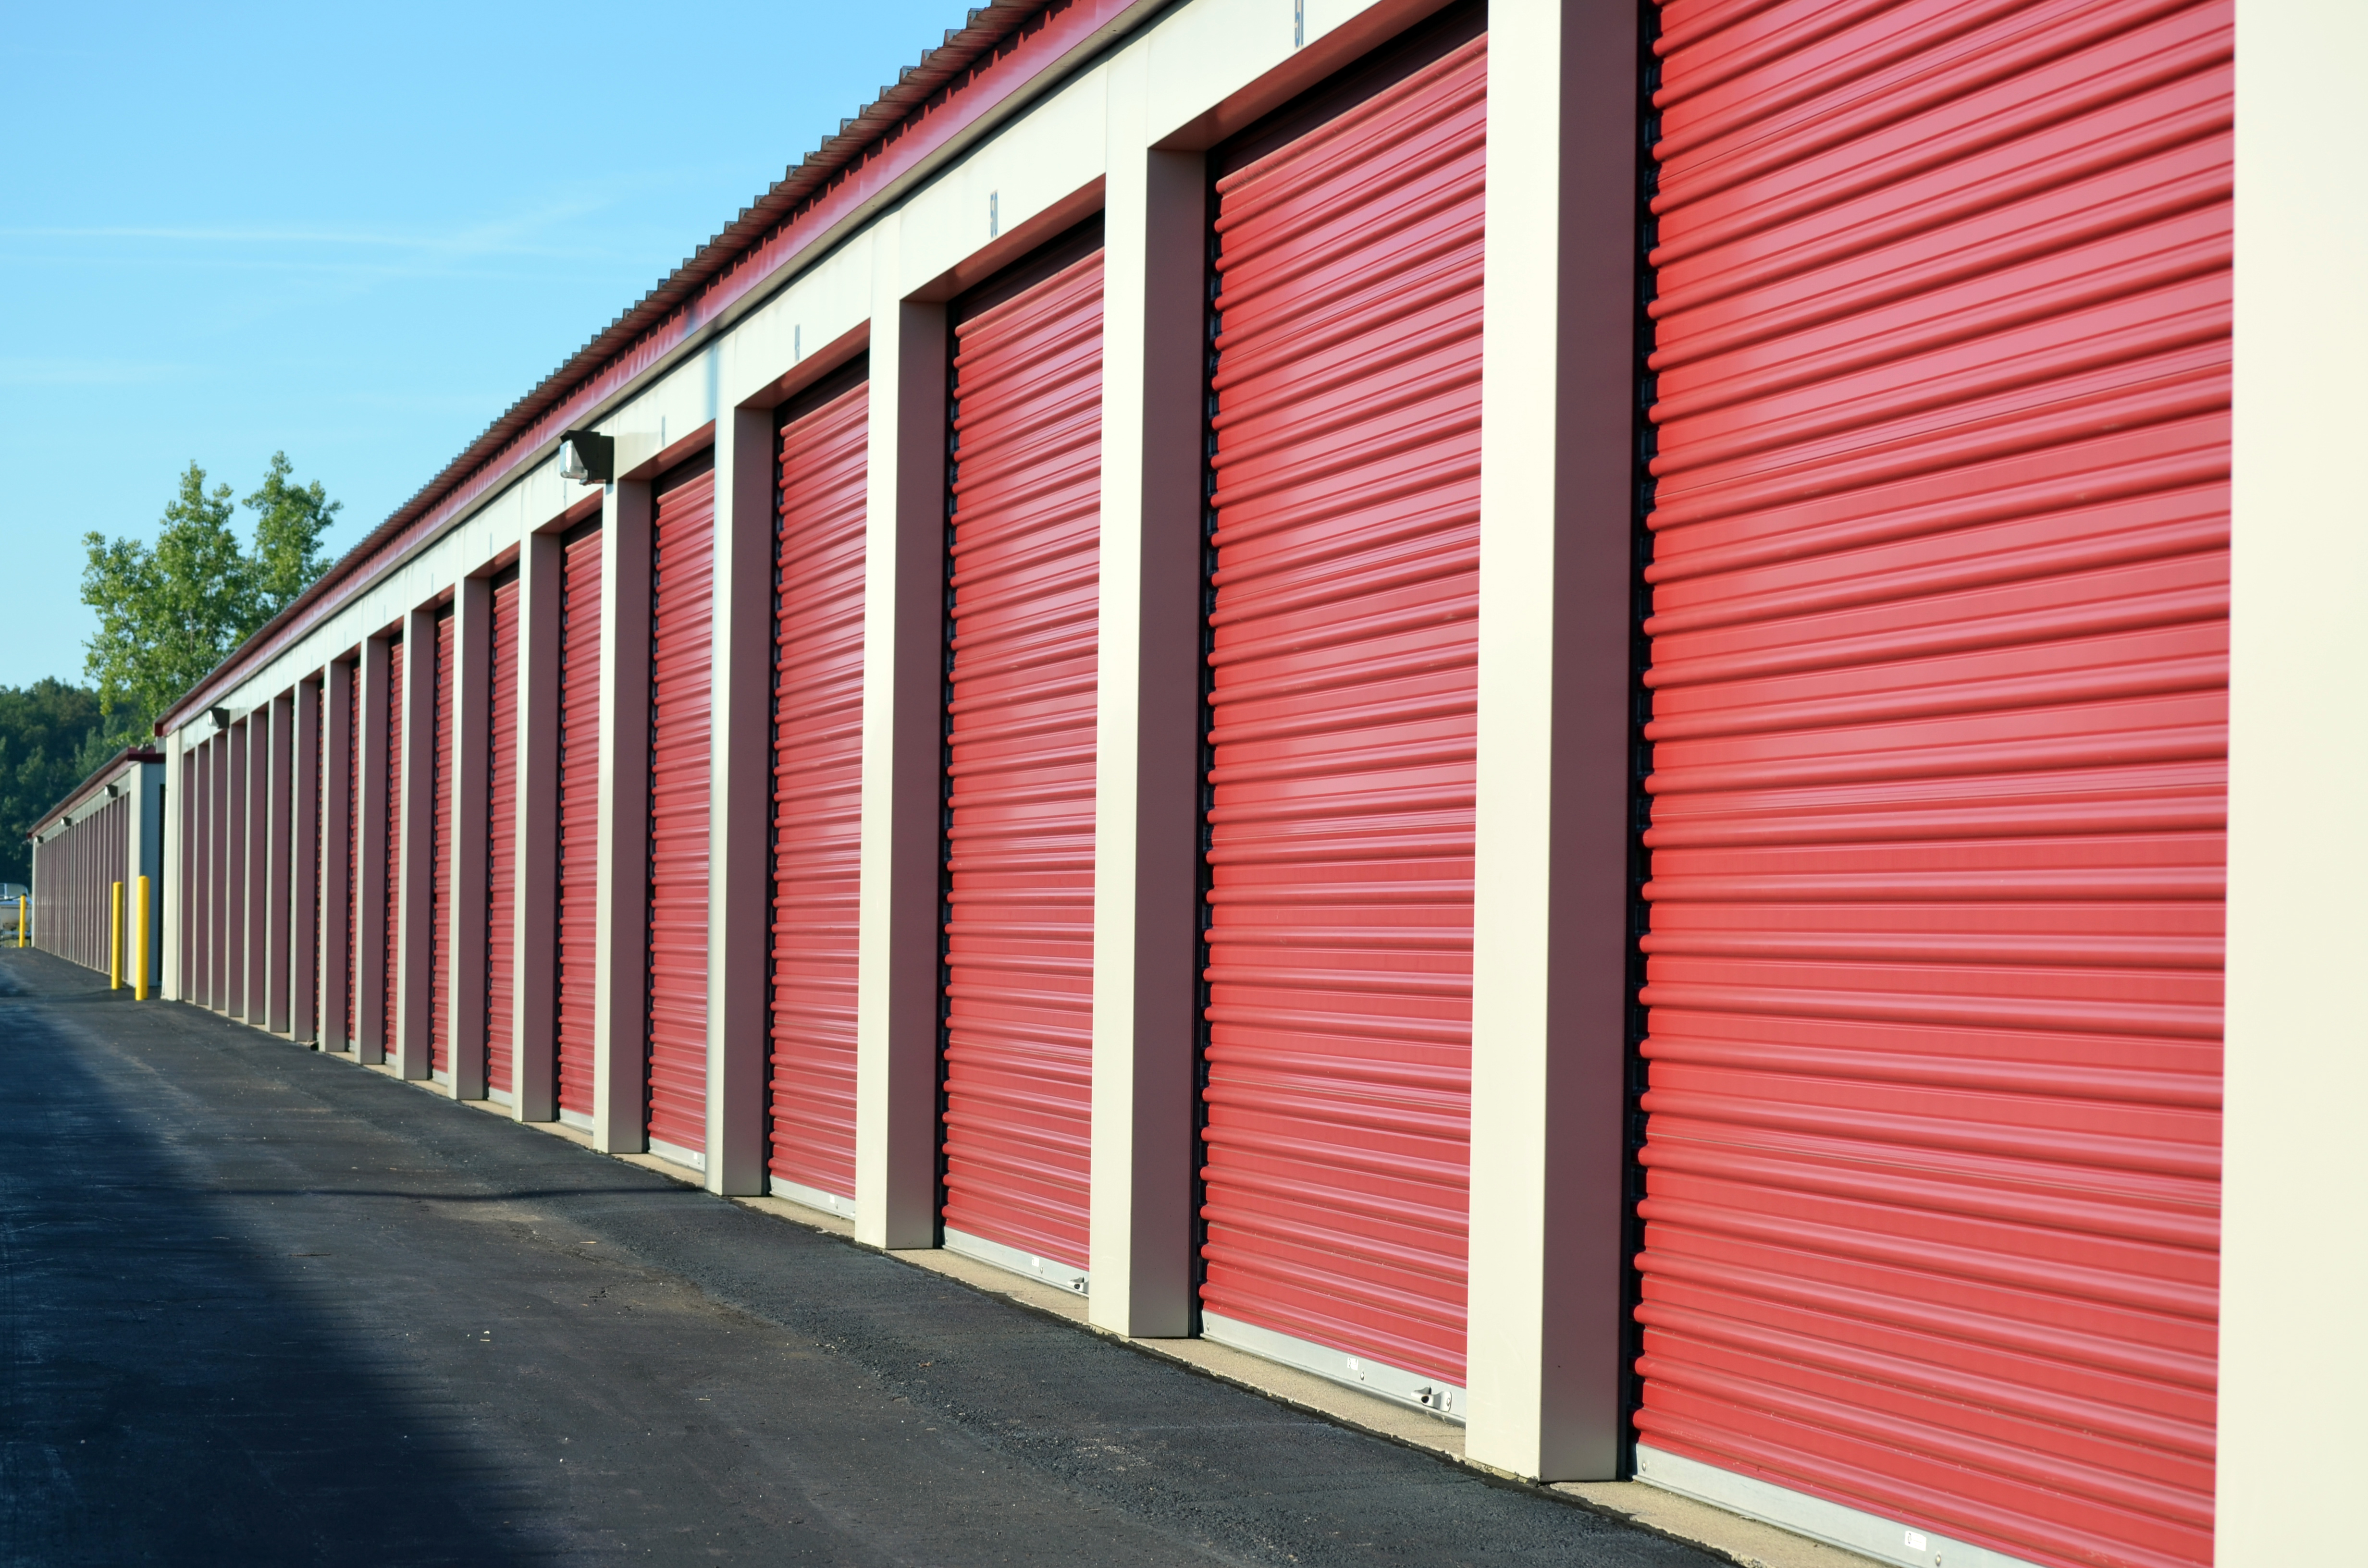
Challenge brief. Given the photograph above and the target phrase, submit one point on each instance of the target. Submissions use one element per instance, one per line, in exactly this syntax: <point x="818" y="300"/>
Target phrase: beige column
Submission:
<point x="472" y="644"/>
<point x="238" y="774"/>
<point x="740" y="882"/>
<point x="304" y="859"/>
<point x="415" y="937"/>
<point x="2294" y="1268"/>
<point x="374" y="1031"/>
<point x="1146" y="819"/>
<point x="534" y="957"/>
<point x="258" y="924"/>
<point x="904" y="787"/>
<point x="339" y="1005"/>
<point x="1551" y="880"/>
<point x="172" y="889"/>
<point x="279" y="876"/>
<point x="621" y="983"/>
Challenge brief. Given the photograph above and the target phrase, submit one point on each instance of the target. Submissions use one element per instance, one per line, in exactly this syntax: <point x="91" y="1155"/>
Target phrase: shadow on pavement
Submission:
<point x="168" y="1395"/>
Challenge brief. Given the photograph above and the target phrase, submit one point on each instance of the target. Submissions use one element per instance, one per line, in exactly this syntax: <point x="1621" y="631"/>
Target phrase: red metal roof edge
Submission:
<point x="76" y="796"/>
<point x="802" y="194"/>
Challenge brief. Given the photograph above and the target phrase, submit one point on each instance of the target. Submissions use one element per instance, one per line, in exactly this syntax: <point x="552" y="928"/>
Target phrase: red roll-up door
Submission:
<point x="579" y="811"/>
<point x="1343" y="639"/>
<point x="439" y="1027"/>
<point x="501" y="833"/>
<point x="817" y="790"/>
<point x="1940" y="586"/>
<point x="1025" y="578"/>
<point x="682" y="660"/>
<point x="393" y="891"/>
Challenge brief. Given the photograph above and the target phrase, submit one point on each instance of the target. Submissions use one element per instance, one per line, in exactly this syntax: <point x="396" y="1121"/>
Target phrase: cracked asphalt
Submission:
<point x="259" y="1305"/>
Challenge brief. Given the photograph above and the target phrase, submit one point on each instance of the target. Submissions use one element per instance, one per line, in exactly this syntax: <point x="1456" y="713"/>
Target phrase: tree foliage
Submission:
<point x="171" y="611"/>
<point x="45" y="729"/>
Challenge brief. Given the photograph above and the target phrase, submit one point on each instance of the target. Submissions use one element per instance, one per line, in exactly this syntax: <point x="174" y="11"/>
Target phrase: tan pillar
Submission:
<point x="305" y="861"/>
<point x="415" y="940"/>
<point x="740" y="882"/>
<point x="535" y="957"/>
<point x="277" y="925"/>
<point x="2294" y="1270"/>
<point x="472" y="739"/>
<point x="904" y="634"/>
<point x="1146" y="821"/>
<point x="340" y="1014"/>
<point x="1551" y="882"/>
<point x="620" y="1010"/>
<point x="374" y="1031"/>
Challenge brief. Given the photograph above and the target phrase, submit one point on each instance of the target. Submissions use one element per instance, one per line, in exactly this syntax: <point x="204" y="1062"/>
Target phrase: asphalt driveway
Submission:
<point x="257" y="1305"/>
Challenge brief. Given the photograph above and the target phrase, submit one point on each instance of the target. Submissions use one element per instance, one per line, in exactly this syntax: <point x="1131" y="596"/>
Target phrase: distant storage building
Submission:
<point x="90" y="851"/>
<point x="1526" y="705"/>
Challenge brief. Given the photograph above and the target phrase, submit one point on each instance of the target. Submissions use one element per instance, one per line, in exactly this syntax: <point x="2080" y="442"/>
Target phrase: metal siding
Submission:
<point x="818" y="566"/>
<point x="1024" y="586"/>
<point x="439" y="1016"/>
<point x="501" y="836"/>
<point x="1939" y="667"/>
<point x="579" y="813"/>
<point x="392" y="927"/>
<point x="1343" y="643"/>
<point x="682" y="661"/>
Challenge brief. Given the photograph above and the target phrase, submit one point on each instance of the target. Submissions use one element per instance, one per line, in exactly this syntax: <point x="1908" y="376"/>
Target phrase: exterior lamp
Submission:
<point x="587" y="456"/>
<point x="220" y="717"/>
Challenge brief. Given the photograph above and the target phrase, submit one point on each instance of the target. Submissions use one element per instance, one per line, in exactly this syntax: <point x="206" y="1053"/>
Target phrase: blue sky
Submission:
<point x="355" y="233"/>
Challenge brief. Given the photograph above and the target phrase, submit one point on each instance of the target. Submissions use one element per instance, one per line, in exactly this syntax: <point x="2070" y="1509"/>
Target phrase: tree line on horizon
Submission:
<point x="168" y="612"/>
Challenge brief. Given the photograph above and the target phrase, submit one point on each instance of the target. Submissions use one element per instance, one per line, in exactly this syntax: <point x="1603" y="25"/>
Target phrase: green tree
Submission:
<point x="171" y="611"/>
<point x="288" y="522"/>
<point x="44" y="727"/>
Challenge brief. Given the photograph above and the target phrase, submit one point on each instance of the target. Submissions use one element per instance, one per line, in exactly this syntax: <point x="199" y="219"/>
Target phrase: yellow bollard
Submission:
<point x="20" y="920"/>
<point x="140" y="976"/>
<point x="115" y="936"/>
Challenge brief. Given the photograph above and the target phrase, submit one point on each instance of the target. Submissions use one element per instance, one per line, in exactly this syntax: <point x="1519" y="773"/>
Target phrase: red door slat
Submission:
<point x="682" y="658"/>
<point x="1342" y="649"/>
<point x="1025" y="578"/>
<point x="579" y="811"/>
<point x="1939" y="674"/>
<point x="440" y="876"/>
<point x="501" y="833"/>
<point x="818" y="562"/>
<point x="393" y="720"/>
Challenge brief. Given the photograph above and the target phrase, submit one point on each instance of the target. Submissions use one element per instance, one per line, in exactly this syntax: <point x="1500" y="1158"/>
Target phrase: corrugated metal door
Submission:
<point x="439" y="1016"/>
<point x="1343" y="639"/>
<point x="579" y="811"/>
<point x="817" y="790"/>
<point x="1024" y="586"/>
<point x="682" y="660"/>
<point x="1939" y="668"/>
<point x="501" y="832"/>
<point x="393" y="891"/>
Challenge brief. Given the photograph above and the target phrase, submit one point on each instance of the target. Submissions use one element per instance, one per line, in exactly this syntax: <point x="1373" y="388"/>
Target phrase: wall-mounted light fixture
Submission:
<point x="587" y="456"/>
<point x="113" y="791"/>
<point x="220" y="717"/>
